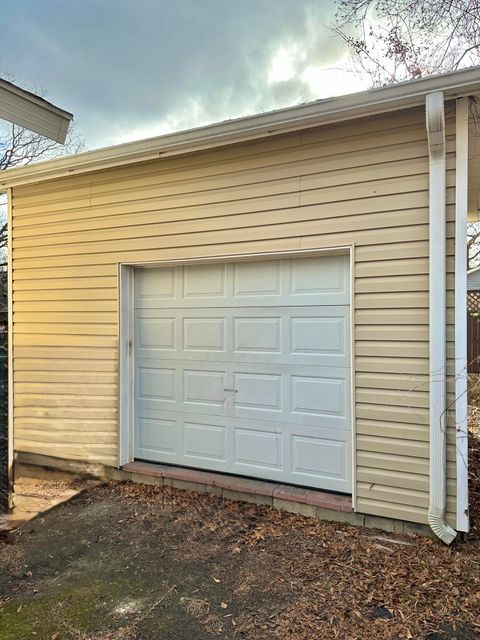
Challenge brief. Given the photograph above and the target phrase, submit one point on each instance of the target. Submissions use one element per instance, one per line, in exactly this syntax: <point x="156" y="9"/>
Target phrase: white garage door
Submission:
<point x="245" y="368"/>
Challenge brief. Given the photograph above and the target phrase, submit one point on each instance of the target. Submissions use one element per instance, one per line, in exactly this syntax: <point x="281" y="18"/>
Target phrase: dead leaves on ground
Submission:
<point x="273" y="575"/>
<point x="299" y="578"/>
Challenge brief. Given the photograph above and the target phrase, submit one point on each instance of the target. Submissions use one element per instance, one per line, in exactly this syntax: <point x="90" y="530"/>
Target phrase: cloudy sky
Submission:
<point x="133" y="69"/>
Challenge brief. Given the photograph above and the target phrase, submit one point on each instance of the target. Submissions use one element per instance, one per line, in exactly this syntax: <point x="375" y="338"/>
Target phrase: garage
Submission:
<point x="244" y="368"/>
<point x="184" y="304"/>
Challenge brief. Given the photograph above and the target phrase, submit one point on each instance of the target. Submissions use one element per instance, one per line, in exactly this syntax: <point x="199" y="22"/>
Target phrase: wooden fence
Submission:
<point x="473" y="343"/>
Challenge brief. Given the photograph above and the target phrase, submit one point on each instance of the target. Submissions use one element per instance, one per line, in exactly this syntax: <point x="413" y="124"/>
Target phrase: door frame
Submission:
<point x="126" y="297"/>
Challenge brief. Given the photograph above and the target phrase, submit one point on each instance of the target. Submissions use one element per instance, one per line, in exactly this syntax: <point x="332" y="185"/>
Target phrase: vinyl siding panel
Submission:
<point x="363" y="183"/>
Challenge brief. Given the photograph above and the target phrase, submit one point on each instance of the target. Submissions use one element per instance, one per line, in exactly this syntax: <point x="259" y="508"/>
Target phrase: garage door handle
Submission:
<point x="233" y="390"/>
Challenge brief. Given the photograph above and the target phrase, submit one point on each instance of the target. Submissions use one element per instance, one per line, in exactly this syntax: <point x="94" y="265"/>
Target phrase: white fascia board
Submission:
<point x="322" y="112"/>
<point x="32" y="112"/>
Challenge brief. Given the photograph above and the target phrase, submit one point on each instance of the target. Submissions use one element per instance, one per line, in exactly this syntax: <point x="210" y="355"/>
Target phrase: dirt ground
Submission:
<point x="124" y="562"/>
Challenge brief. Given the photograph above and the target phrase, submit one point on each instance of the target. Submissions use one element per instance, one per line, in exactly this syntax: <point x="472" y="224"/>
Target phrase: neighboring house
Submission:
<point x="271" y="297"/>
<point x="473" y="279"/>
<point x="473" y="322"/>
<point x="27" y="110"/>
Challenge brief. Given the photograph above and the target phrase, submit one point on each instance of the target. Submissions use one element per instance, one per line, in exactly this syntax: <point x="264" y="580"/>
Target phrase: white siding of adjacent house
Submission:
<point x="473" y="280"/>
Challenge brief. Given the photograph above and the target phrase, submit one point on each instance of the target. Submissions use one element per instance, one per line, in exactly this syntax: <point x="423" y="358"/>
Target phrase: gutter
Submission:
<point x="435" y="122"/>
<point x="321" y="112"/>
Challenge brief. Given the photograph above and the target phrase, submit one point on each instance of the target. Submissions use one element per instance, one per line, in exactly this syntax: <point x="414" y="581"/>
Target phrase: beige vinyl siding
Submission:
<point x="363" y="183"/>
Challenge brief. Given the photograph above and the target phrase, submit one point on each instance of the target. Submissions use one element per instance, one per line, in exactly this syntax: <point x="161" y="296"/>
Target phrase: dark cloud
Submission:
<point x="127" y="68"/>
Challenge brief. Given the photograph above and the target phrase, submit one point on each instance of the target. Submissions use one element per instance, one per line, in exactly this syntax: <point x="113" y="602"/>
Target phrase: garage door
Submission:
<point x="245" y="368"/>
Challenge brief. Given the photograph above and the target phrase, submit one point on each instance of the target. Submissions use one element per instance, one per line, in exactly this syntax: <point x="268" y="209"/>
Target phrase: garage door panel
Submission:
<point x="318" y="396"/>
<point x="204" y="281"/>
<point x="258" y="391"/>
<point x="204" y="389"/>
<point x="257" y="279"/>
<point x="319" y="335"/>
<point x="296" y="281"/>
<point x="204" y="334"/>
<point x="226" y="384"/>
<point x="156" y="333"/>
<point x="319" y="457"/>
<point x="323" y="431"/>
<point x="261" y="449"/>
<point x="205" y="441"/>
<point x="156" y="437"/>
<point x="290" y="335"/>
<point x="157" y="384"/>
<point x="308" y="281"/>
<point x="257" y="335"/>
<point x="155" y="287"/>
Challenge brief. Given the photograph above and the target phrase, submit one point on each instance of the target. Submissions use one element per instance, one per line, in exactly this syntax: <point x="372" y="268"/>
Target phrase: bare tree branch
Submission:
<point x="403" y="39"/>
<point x="395" y="40"/>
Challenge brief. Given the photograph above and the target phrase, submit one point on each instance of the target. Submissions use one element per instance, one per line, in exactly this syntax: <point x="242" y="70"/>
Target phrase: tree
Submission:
<point x="473" y="245"/>
<point x="396" y="40"/>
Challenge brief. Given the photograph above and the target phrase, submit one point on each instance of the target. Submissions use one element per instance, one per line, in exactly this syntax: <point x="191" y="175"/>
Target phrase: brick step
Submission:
<point x="314" y="497"/>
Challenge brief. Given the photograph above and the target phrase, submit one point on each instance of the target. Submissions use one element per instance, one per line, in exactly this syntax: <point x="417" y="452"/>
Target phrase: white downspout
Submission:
<point x="435" y="119"/>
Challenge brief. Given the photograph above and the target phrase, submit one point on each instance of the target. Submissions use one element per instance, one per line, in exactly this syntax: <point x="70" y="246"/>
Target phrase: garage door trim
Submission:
<point x="127" y="347"/>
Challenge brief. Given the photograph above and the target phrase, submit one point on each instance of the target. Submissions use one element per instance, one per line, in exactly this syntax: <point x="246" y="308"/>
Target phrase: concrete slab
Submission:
<point x="37" y="491"/>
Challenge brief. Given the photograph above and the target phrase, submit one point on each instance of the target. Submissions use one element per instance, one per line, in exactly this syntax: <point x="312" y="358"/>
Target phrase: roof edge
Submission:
<point x="38" y="100"/>
<point x="321" y="112"/>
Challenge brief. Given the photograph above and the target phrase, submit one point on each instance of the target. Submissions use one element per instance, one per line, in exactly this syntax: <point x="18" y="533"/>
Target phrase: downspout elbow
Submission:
<point x="438" y="525"/>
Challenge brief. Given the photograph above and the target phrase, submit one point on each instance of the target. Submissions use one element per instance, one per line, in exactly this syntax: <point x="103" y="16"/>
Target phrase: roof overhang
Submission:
<point x="356" y="105"/>
<point x="32" y="112"/>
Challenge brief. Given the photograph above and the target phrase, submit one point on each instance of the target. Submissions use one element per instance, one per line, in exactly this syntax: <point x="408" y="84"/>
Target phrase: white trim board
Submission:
<point x="353" y="410"/>
<point x="126" y="377"/>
